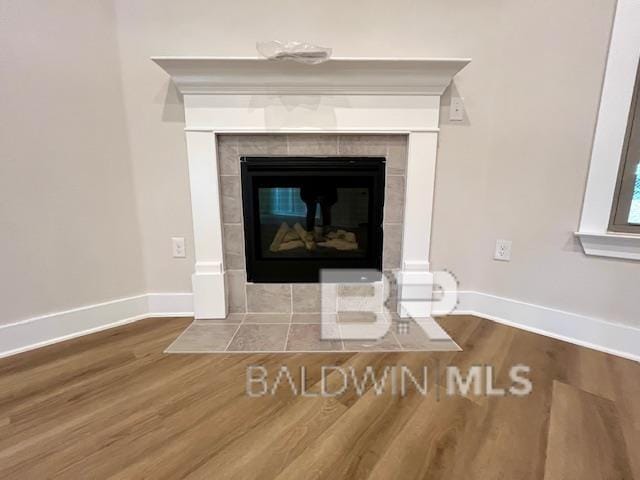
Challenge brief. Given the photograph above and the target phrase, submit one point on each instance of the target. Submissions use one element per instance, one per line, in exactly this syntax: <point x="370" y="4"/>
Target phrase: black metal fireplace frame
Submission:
<point x="257" y="170"/>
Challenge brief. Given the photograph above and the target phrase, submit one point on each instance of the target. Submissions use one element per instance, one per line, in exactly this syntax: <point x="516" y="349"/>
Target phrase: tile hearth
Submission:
<point x="299" y="333"/>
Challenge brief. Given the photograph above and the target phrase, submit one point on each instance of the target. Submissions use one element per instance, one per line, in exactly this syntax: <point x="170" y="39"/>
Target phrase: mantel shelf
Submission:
<point x="338" y="76"/>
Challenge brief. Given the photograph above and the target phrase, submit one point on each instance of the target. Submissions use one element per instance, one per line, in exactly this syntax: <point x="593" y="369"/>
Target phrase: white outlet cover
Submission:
<point x="456" y="109"/>
<point x="503" y="250"/>
<point x="178" y="247"/>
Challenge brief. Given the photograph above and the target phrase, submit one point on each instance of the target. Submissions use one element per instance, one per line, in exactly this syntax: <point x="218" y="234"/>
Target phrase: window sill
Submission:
<point x="615" y="245"/>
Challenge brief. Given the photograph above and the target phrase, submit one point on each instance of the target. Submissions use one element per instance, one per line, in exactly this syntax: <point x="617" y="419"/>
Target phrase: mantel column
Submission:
<point x="208" y="280"/>
<point x="415" y="280"/>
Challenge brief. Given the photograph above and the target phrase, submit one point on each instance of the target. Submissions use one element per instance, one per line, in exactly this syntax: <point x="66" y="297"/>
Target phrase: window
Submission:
<point x="625" y="216"/>
<point x="610" y="223"/>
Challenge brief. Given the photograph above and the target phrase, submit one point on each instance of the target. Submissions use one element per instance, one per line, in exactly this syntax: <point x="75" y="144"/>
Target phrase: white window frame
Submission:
<point x="611" y="128"/>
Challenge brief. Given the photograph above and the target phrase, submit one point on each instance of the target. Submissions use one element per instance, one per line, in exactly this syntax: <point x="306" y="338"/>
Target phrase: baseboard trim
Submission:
<point x="170" y="304"/>
<point x="614" y="338"/>
<point x="56" y="327"/>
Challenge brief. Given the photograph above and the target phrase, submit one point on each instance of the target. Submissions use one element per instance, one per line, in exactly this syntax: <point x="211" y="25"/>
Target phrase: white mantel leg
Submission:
<point x="415" y="282"/>
<point x="208" y="280"/>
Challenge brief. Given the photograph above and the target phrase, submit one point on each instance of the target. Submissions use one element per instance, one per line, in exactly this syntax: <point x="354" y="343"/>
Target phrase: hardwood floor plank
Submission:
<point x="627" y="401"/>
<point x="113" y="405"/>
<point x="268" y="449"/>
<point x="353" y="446"/>
<point x="585" y="438"/>
<point x="427" y="445"/>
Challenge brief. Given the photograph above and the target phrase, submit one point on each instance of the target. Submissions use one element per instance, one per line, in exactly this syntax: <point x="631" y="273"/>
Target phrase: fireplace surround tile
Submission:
<point x="363" y="144"/>
<point x="397" y="155"/>
<point x="269" y="298"/>
<point x="392" y="249"/>
<point x="265" y="144"/>
<point x="306" y="298"/>
<point x="233" y="246"/>
<point x="394" y="199"/>
<point x="228" y="156"/>
<point x="236" y="282"/>
<point x="230" y="187"/>
<point x="301" y="298"/>
<point x="313" y="144"/>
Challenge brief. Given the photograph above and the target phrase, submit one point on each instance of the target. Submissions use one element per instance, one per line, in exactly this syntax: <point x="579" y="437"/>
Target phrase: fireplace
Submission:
<point x="303" y="214"/>
<point x="341" y="97"/>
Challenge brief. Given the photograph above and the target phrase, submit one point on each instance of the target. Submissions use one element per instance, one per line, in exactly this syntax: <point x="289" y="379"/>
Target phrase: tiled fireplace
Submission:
<point x="241" y="110"/>
<point x="302" y="296"/>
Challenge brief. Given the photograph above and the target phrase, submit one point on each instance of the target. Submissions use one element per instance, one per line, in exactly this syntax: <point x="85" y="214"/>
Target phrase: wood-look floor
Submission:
<point x="112" y="405"/>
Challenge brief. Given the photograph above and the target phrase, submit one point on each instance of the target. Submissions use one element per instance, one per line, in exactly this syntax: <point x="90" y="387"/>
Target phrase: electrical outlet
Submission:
<point x="456" y="109"/>
<point x="179" y="250"/>
<point x="503" y="250"/>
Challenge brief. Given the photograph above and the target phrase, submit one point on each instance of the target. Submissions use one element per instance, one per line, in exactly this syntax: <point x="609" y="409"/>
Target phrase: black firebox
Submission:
<point x="303" y="214"/>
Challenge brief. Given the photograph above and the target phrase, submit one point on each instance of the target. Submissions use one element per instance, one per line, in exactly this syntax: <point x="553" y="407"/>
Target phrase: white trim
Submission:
<point x="338" y="76"/>
<point x="614" y="338"/>
<point x="307" y="130"/>
<point x="311" y="113"/>
<point x="617" y="93"/>
<point x="209" y="279"/>
<point x="613" y="245"/>
<point x="56" y="327"/>
<point x="47" y="329"/>
<point x="170" y="304"/>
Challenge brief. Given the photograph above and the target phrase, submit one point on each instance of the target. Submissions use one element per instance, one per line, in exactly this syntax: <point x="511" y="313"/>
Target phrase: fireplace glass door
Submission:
<point x="303" y="214"/>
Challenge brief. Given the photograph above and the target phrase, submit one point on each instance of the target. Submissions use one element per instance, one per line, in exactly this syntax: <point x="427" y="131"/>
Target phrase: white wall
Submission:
<point x="547" y="94"/>
<point x="515" y="169"/>
<point x="68" y="220"/>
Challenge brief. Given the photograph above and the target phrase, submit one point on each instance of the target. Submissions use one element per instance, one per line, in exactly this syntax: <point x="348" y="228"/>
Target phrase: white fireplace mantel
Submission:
<point x="338" y="76"/>
<point x="343" y="95"/>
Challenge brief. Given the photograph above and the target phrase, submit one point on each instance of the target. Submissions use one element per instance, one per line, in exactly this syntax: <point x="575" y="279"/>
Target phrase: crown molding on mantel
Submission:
<point x="337" y="76"/>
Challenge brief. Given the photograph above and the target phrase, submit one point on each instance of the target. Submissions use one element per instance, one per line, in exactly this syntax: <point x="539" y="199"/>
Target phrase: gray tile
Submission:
<point x="306" y="298"/>
<point x="388" y="342"/>
<point x="313" y="144"/>
<point x="394" y="199"/>
<point x="392" y="248"/>
<point x="231" y="318"/>
<point x="356" y="317"/>
<point x="262" y="144"/>
<point x="259" y="338"/>
<point x="310" y="318"/>
<point x="231" y="199"/>
<point x="363" y="145"/>
<point x="391" y="291"/>
<point x="397" y="155"/>
<point x="233" y="247"/>
<point x="268" y="318"/>
<point x="307" y="338"/>
<point x="268" y="298"/>
<point x="236" y="281"/>
<point x="356" y="290"/>
<point x="228" y="156"/>
<point x="202" y="338"/>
